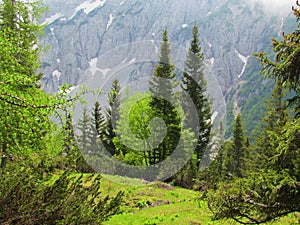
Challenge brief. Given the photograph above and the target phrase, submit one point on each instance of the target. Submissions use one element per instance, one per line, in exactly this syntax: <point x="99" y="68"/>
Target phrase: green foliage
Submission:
<point x="271" y="191"/>
<point x="31" y="196"/>
<point x="112" y="116"/>
<point x="25" y="108"/>
<point x="194" y="84"/>
<point x="162" y="89"/>
<point x="285" y="68"/>
<point x="133" y="130"/>
<point x="259" y="198"/>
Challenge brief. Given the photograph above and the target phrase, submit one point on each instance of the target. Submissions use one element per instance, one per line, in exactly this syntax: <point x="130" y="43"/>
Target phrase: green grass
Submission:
<point x="160" y="204"/>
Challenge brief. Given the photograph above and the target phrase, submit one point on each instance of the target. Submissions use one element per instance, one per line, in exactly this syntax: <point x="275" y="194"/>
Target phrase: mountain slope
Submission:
<point x="97" y="40"/>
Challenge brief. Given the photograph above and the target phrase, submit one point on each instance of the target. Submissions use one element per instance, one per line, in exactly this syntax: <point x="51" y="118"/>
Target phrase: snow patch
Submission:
<point x="111" y="19"/>
<point x="122" y="2"/>
<point x="209" y="44"/>
<point x="156" y="48"/>
<point x="244" y="68"/>
<point x="104" y="71"/>
<point x="58" y="60"/>
<point x="56" y="74"/>
<point x="211" y="60"/>
<point x="208" y="13"/>
<point x="93" y="65"/>
<point x="71" y="89"/>
<point x="52" y="31"/>
<point x="88" y="6"/>
<point x="94" y="68"/>
<point x="184" y="25"/>
<point x="244" y="60"/>
<point x="132" y="61"/>
<point x="281" y="26"/>
<point x="52" y="18"/>
<point x="242" y="57"/>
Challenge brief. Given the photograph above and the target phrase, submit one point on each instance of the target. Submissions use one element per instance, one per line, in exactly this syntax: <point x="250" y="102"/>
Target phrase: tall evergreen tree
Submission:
<point x="84" y="125"/>
<point x="98" y="119"/>
<point x="239" y="151"/>
<point x="194" y="84"/>
<point x="162" y="86"/>
<point x="275" y="119"/>
<point x="235" y="151"/>
<point x="112" y="116"/>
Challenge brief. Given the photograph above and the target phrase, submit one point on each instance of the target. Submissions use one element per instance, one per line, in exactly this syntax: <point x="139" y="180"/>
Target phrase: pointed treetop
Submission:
<point x="195" y="47"/>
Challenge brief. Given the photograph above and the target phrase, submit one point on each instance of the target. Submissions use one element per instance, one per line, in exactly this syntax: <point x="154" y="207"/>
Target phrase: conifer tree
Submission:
<point x="98" y="119"/>
<point x="194" y="84"/>
<point x="162" y="86"/>
<point x="112" y="116"/>
<point x="84" y="125"/>
<point x="25" y="108"/>
<point x="235" y="151"/>
<point x="275" y="119"/>
<point x="239" y="150"/>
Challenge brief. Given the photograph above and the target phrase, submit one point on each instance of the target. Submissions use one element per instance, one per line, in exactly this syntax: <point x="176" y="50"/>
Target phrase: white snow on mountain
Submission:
<point x="242" y="57"/>
<point x="184" y="25"/>
<point x="93" y="68"/>
<point x="111" y="19"/>
<point x="56" y="74"/>
<point x="89" y="6"/>
<point x="122" y="2"/>
<point x="52" y="18"/>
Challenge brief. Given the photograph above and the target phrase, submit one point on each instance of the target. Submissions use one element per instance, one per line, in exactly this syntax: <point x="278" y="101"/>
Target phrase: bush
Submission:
<point x="31" y="196"/>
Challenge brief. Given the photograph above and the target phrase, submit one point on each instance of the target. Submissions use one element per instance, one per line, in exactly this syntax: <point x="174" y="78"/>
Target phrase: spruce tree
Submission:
<point x="162" y="86"/>
<point x="84" y="125"/>
<point x="275" y="119"/>
<point x="98" y="119"/>
<point x="112" y="116"/>
<point x="235" y="151"/>
<point x="194" y="84"/>
<point x="238" y="147"/>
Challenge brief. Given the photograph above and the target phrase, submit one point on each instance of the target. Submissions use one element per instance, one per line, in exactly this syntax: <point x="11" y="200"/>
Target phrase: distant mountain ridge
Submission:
<point x="80" y="32"/>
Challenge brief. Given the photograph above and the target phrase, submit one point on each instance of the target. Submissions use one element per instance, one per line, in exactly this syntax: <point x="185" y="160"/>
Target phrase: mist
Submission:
<point x="281" y="7"/>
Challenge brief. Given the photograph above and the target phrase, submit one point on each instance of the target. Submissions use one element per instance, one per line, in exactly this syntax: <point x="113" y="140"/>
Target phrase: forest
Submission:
<point x="153" y="149"/>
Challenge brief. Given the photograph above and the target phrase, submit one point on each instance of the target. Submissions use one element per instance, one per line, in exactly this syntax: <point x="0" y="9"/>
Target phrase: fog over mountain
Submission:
<point x="281" y="7"/>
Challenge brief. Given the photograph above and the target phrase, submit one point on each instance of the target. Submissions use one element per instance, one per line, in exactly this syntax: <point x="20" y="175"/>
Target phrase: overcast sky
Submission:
<point x="277" y="6"/>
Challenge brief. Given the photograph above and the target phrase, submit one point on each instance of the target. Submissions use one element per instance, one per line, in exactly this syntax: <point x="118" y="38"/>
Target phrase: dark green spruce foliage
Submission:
<point x="162" y="86"/>
<point x="235" y="153"/>
<point x="194" y="84"/>
<point x="238" y="153"/>
<point x="98" y="119"/>
<point x="275" y="118"/>
<point x="112" y="116"/>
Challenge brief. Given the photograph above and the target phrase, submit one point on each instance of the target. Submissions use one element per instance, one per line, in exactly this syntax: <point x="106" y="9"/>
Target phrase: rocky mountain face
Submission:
<point x="94" y="41"/>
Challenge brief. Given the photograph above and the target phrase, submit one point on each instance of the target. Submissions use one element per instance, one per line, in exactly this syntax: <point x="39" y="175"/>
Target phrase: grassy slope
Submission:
<point x="158" y="203"/>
